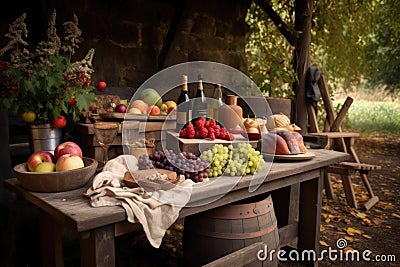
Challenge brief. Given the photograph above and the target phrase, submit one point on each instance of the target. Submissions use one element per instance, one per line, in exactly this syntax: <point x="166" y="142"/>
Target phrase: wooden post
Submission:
<point x="303" y="18"/>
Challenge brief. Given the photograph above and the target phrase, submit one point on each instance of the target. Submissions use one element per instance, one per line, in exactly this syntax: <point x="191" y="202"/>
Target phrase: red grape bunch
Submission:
<point x="183" y="163"/>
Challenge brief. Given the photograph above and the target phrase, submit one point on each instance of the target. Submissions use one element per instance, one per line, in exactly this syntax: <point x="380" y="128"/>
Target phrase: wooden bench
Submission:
<point x="346" y="171"/>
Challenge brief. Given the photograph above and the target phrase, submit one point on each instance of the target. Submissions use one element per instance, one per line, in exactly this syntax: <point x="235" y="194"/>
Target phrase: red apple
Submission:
<point x="59" y="122"/>
<point x="67" y="148"/>
<point x="154" y="110"/>
<point x="101" y="86"/>
<point x="39" y="157"/>
<point x="68" y="162"/>
<point x="121" y="108"/>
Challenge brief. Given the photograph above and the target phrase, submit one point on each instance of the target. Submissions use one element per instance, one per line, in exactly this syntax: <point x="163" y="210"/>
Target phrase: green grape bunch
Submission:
<point x="230" y="161"/>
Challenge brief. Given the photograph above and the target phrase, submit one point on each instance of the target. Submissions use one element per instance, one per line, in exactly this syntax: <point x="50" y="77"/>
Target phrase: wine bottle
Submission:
<point x="200" y="107"/>
<point x="184" y="108"/>
<point x="216" y="103"/>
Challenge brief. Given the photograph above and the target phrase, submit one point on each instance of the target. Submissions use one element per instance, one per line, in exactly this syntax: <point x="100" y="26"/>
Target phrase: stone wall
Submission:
<point x="128" y="35"/>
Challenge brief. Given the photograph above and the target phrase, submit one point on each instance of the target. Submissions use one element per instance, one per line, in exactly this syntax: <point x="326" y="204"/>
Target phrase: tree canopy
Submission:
<point x="352" y="41"/>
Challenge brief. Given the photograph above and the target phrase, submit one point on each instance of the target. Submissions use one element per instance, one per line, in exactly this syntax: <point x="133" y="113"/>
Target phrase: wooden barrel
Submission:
<point x="213" y="234"/>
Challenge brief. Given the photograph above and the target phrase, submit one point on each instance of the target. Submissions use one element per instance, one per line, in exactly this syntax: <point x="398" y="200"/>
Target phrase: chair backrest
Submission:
<point x="332" y="122"/>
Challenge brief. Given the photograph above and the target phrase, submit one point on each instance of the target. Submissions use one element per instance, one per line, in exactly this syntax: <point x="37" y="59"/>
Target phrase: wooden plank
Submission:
<point x="371" y="202"/>
<point x="310" y="215"/>
<point x="335" y="126"/>
<point x="51" y="242"/>
<point x="334" y="135"/>
<point x="288" y="233"/>
<point x="330" y="114"/>
<point x="97" y="247"/>
<point x="359" y="166"/>
<point x="240" y="257"/>
<point x="348" y="190"/>
<point x="312" y="120"/>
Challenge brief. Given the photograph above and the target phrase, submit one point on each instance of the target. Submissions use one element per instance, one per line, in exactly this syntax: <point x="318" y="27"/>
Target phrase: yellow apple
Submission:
<point x="69" y="162"/>
<point x="45" y="167"/>
<point x="135" y="111"/>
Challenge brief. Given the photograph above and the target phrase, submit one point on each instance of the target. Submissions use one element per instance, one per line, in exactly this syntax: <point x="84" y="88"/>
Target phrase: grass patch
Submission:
<point x="373" y="117"/>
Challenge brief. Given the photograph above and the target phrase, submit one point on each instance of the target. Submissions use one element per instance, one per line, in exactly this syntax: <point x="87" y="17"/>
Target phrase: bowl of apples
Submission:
<point x="65" y="169"/>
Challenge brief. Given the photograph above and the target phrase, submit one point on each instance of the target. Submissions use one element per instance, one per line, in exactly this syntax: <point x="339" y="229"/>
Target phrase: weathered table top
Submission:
<point x="73" y="209"/>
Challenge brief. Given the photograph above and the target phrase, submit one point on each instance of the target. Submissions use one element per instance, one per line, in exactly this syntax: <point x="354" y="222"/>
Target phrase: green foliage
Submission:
<point x="383" y="46"/>
<point x="269" y="54"/>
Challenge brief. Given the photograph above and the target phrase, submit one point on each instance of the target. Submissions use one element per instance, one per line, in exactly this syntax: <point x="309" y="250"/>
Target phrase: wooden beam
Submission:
<point x="301" y="62"/>
<point x="180" y="8"/>
<point x="277" y="20"/>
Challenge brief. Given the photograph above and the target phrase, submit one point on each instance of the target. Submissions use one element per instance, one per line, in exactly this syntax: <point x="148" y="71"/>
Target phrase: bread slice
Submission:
<point x="152" y="179"/>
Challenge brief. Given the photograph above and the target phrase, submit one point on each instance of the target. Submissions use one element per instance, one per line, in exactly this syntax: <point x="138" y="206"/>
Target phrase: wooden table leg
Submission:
<point x="97" y="247"/>
<point x="310" y="216"/>
<point x="51" y="242"/>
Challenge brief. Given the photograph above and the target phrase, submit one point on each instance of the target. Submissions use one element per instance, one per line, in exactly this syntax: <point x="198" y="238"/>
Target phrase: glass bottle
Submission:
<point x="231" y="115"/>
<point x="200" y="108"/>
<point x="216" y="103"/>
<point x="184" y="108"/>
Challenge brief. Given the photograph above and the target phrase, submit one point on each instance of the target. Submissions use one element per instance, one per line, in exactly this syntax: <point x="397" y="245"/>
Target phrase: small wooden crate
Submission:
<point x="84" y="136"/>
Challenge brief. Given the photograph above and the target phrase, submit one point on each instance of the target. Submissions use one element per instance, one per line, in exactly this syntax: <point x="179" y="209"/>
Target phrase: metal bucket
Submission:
<point x="44" y="138"/>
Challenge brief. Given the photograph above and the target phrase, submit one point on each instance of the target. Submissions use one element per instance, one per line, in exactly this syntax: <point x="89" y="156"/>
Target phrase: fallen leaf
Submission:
<point x="361" y="215"/>
<point x="323" y="243"/>
<point x="351" y="231"/>
<point x="367" y="236"/>
<point x="348" y="238"/>
<point x="396" y="215"/>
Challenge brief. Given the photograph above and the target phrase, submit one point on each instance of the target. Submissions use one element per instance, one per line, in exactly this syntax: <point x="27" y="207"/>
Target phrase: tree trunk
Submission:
<point x="303" y="21"/>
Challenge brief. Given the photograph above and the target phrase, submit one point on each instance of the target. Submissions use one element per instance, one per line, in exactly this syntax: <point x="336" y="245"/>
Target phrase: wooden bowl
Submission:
<point x="51" y="182"/>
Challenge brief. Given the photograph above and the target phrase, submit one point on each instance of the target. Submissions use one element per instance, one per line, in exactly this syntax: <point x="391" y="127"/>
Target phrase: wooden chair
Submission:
<point x="335" y="139"/>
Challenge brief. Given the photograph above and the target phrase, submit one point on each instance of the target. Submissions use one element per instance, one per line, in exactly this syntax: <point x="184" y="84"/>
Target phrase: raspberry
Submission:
<point x="200" y="123"/>
<point x="212" y="123"/>
<point x="197" y="134"/>
<point x="211" y="135"/>
<point x="183" y="133"/>
<point x="203" y="132"/>
<point x="229" y="137"/>
<point x="190" y="134"/>
<point x="217" y="132"/>
<point x="207" y="124"/>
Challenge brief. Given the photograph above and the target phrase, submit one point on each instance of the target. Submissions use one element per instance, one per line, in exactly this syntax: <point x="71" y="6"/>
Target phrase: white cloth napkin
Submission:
<point x="156" y="211"/>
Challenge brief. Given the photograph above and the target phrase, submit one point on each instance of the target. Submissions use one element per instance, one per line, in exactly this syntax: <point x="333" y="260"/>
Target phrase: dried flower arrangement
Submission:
<point x="45" y="84"/>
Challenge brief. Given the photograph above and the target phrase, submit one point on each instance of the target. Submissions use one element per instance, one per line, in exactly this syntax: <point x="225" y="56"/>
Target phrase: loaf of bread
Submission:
<point x="152" y="179"/>
<point x="283" y="142"/>
<point x="290" y="141"/>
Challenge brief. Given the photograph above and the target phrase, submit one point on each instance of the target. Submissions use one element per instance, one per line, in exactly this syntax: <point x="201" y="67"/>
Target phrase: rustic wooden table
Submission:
<point x="297" y="186"/>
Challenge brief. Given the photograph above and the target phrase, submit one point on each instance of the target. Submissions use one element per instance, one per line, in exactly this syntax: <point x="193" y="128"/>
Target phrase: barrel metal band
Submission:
<point x="235" y="236"/>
